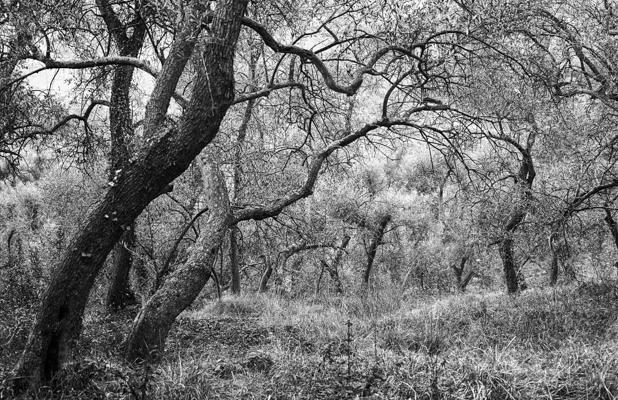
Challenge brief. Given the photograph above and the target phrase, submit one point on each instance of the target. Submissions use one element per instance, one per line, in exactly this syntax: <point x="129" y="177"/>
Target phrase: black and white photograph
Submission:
<point x="309" y="200"/>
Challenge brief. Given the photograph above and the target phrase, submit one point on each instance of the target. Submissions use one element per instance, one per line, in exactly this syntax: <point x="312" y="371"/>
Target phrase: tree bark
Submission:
<point x="323" y="265"/>
<point x="461" y="281"/>
<point x="376" y="240"/>
<point x="146" y="340"/>
<point x="234" y="262"/>
<point x="266" y="275"/>
<point x="509" y="265"/>
<point x="554" y="264"/>
<point x="524" y="179"/>
<point x="119" y="292"/>
<point x="611" y="223"/>
<point x="242" y="135"/>
<point x="466" y="281"/>
<point x="333" y="269"/>
<point x="59" y="320"/>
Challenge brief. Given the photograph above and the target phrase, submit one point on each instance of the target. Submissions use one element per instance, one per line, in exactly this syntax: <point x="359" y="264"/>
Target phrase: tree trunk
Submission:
<point x="333" y="269"/>
<point x="560" y="254"/>
<point x="234" y="263"/>
<point x="242" y="135"/>
<point x="119" y="293"/>
<point x="266" y="275"/>
<point x="554" y="264"/>
<point x="323" y="265"/>
<point x="146" y="340"/>
<point x="611" y="223"/>
<point x="376" y="240"/>
<point x="523" y="187"/>
<point x="460" y="280"/>
<point x="59" y="320"/>
<point x="508" y="264"/>
<point x="10" y="258"/>
<point x="466" y="281"/>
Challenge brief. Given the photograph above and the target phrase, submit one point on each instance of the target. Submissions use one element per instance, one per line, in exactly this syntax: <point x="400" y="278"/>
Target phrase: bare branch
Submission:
<point x="309" y="55"/>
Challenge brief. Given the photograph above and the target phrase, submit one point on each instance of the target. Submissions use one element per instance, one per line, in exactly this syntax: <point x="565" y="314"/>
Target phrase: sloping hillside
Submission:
<point x="544" y="344"/>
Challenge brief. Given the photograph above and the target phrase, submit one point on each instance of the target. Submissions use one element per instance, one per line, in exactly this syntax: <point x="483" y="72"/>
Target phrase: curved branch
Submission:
<point x="579" y="200"/>
<point x="84" y="118"/>
<point x="275" y="207"/>
<point x="309" y="55"/>
<point x="49" y="63"/>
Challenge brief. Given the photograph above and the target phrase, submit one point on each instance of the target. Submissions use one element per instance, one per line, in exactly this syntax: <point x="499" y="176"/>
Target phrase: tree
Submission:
<point x="121" y="134"/>
<point x="173" y="148"/>
<point x="155" y="319"/>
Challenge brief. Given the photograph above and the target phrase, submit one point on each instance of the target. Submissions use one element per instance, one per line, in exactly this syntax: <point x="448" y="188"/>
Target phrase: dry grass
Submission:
<point x="544" y="344"/>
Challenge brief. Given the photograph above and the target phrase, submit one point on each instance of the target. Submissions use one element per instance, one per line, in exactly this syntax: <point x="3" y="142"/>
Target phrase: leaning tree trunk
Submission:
<point x="266" y="275"/>
<point x="146" y="340"/>
<point x="59" y="320"/>
<point x="376" y="240"/>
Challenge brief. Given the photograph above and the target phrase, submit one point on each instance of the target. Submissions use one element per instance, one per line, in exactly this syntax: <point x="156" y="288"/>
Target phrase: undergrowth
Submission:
<point x="543" y="344"/>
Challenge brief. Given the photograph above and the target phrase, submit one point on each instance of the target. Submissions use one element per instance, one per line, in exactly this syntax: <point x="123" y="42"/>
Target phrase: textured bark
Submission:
<point x="461" y="280"/>
<point x="524" y="179"/>
<point x="242" y="135"/>
<point x="318" y="283"/>
<point x="611" y="223"/>
<point x="376" y="240"/>
<point x="59" y="320"/>
<point x="466" y="281"/>
<point x="333" y="269"/>
<point x="508" y="265"/>
<point x="119" y="293"/>
<point x="146" y="340"/>
<point x="10" y="256"/>
<point x="554" y="264"/>
<point x="234" y="261"/>
<point x="513" y="277"/>
<point x="266" y="275"/>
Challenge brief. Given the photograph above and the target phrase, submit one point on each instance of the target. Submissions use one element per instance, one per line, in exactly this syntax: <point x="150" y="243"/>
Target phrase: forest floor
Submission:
<point x="544" y="344"/>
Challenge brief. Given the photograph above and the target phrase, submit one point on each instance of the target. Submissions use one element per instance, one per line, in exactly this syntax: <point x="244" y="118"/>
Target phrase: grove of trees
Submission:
<point x="302" y="148"/>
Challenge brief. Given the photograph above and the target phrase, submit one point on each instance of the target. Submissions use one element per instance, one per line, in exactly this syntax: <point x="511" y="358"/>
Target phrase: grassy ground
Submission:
<point x="544" y="344"/>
